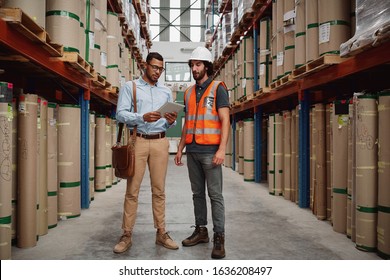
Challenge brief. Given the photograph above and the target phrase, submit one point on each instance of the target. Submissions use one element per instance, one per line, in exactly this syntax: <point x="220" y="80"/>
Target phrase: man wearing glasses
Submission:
<point x="151" y="148"/>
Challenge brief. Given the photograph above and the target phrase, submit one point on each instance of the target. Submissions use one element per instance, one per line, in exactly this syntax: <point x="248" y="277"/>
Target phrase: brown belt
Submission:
<point x="151" y="136"/>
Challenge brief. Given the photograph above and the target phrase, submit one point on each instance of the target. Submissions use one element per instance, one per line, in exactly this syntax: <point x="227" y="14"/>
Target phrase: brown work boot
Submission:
<point x="124" y="243"/>
<point x="200" y="235"/>
<point x="219" y="246"/>
<point x="165" y="240"/>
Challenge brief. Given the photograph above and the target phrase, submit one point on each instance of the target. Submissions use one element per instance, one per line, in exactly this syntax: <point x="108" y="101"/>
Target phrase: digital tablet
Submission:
<point x="170" y="107"/>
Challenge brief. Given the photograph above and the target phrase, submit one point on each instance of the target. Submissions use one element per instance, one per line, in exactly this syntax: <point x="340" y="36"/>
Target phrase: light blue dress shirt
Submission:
<point x="149" y="98"/>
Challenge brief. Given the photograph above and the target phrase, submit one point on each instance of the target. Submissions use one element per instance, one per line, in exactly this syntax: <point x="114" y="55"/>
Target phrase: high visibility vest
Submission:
<point x="202" y="119"/>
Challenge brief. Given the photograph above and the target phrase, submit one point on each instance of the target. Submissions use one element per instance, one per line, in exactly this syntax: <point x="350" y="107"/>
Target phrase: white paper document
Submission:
<point x="170" y="107"/>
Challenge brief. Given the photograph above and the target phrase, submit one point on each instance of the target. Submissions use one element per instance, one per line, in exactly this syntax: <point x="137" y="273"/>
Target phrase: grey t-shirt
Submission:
<point x="222" y="100"/>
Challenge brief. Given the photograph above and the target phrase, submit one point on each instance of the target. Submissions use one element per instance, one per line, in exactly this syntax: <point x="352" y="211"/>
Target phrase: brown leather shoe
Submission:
<point x="219" y="246"/>
<point x="124" y="243"/>
<point x="200" y="235"/>
<point x="166" y="241"/>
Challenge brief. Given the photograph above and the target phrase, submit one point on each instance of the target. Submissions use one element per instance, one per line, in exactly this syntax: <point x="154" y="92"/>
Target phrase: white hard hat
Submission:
<point x="201" y="53"/>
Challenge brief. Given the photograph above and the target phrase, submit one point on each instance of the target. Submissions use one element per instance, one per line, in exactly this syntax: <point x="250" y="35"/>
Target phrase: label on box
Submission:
<point x="91" y="40"/>
<point x="262" y="69"/>
<point x="52" y="122"/>
<point x="103" y="59"/>
<point x="324" y="32"/>
<point x="243" y="83"/>
<point x="279" y="59"/>
<point x="22" y="107"/>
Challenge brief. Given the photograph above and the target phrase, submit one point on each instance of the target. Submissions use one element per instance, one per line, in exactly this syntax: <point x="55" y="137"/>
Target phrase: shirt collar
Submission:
<point x="143" y="82"/>
<point x="205" y="84"/>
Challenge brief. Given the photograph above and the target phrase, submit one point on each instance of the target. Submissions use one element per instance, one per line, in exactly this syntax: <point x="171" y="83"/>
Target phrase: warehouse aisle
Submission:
<point x="258" y="226"/>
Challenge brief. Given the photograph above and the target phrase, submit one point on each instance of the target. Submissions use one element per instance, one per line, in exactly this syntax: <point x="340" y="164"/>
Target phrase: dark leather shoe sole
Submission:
<point x="185" y="244"/>
<point x="217" y="256"/>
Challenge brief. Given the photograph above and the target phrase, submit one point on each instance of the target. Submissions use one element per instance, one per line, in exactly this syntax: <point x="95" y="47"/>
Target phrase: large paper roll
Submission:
<point x="351" y="175"/>
<point x="14" y="165"/>
<point x="311" y="9"/>
<point x="229" y="150"/>
<point x="279" y="39"/>
<point x="294" y="155"/>
<point x="100" y="154"/>
<point x="69" y="177"/>
<point x="300" y="34"/>
<point x="265" y="53"/>
<point x="249" y="150"/>
<point x="329" y="121"/>
<point x="340" y="165"/>
<point x="366" y="172"/>
<point x="27" y="171"/>
<point x="92" y="125"/>
<point x="383" y="230"/>
<point x="241" y="148"/>
<point x="289" y="36"/>
<point x="42" y="227"/>
<point x="274" y="51"/>
<point x="287" y="172"/>
<point x="334" y="25"/>
<point x="34" y="9"/>
<point x="52" y="159"/>
<point x="320" y="197"/>
<point x="271" y="152"/>
<point x="113" y="141"/>
<point x="279" y="161"/>
<point x="63" y="24"/>
<point x="108" y="153"/>
<point x="5" y="180"/>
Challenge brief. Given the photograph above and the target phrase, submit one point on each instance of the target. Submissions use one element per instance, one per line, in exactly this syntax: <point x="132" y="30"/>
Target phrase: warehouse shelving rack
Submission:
<point x="366" y="71"/>
<point x="28" y="65"/>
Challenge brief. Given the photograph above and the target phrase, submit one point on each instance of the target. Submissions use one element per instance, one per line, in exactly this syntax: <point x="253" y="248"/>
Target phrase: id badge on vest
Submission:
<point x="208" y="102"/>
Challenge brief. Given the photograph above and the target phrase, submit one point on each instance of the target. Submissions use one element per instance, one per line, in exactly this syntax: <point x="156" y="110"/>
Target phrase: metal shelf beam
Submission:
<point x="34" y="53"/>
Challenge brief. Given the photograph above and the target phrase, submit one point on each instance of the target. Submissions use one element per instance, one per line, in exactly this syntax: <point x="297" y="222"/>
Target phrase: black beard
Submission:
<point x="200" y="76"/>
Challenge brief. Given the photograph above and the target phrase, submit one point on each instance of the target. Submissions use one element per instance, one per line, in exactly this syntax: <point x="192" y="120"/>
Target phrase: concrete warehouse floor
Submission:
<point x="258" y="227"/>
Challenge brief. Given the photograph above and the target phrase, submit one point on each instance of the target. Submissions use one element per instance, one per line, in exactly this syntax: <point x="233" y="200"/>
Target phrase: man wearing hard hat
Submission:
<point x="205" y="134"/>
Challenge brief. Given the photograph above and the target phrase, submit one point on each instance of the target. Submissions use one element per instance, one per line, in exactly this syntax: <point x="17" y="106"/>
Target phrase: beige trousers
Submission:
<point x="155" y="154"/>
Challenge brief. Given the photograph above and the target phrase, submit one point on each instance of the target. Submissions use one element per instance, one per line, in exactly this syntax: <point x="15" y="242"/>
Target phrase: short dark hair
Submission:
<point x="154" y="55"/>
<point x="208" y="65"/>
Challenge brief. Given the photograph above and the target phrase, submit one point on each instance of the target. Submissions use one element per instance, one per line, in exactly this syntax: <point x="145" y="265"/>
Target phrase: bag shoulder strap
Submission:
<point x="118" y="139"/>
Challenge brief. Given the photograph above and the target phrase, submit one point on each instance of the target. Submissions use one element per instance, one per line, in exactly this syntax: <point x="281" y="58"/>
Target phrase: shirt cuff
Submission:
<point x="170" y="125"/>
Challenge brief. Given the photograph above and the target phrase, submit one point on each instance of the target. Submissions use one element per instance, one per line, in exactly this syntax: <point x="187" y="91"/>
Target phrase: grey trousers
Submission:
<point x="201" y="172"/>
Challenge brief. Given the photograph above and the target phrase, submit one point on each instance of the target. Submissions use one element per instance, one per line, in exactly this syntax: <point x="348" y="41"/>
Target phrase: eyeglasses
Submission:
<point x="156" y="68"/>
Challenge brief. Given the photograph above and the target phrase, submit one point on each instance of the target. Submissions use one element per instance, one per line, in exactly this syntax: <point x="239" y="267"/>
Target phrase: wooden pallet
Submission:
<point x="235" y="36"/>
<point x="229" y="49"/>
<point x="24" y="24"/>
<point x="242" y="98"/>
<point x="282" y="82"/>
<point x="137" y="4"/>
<point x="30" y="29"/>
<point x="247" y="19"/>
<point x="99" y="81"/>
<point x="250" y="96"/>
<point x="257" y="4"/>
<point x="316" y="65"/>
<point x="236" y="103"/>
<point x="54" y="49"/>
<point x="113" y="90"/>
<point x="77" y="62"/>
<point x="225" y="6"/>
<point x="262" y="92"/>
